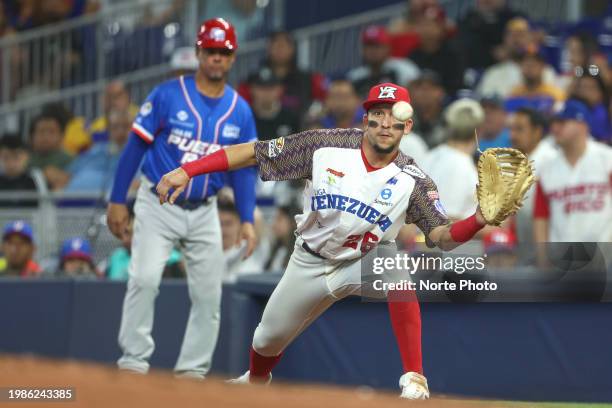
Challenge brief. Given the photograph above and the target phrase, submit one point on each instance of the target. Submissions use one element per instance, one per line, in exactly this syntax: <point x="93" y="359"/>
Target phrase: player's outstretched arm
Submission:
<point x="450" y="236"/>
<point x="231" y="158"/>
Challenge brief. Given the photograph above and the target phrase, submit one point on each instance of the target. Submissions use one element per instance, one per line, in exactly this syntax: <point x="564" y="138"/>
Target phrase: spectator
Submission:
<point x="93" y="171"/>
<point x="413" y="145"/>
<point x="577" y="53"/>
<point x="342" y="106"/>
<point x="378" y="65"/>
<point x="184" y="62"/>
<point x="301" y="88"/>
<point x="428" y="96"/>
<point x="14" y="175"/>
<point x="451" y="166"/>
<point x="116" y="98"/>
<point x="116" y="266"/>
<point x="46" y="134"/>
<point x="534" y="91"/>
<point x="76" y="260"/>
<point x="527" y="131"/>
<point x="493" y="131"/>
<point x="500" y="247"/>
<point x="272" y="119"/>
<point x="435" y="51"/>
<point x="573" y="202"/>
<point x="18" y="249"/>
<point x="591" y="88"/>
<point x="499" y="79"/>
<point x="482" y="30"/>
<point x="283" y="240"/>
<point x="75" y="127"/>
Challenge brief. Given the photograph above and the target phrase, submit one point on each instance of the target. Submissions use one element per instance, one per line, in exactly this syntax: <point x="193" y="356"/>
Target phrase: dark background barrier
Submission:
<point x="530" y="351"/>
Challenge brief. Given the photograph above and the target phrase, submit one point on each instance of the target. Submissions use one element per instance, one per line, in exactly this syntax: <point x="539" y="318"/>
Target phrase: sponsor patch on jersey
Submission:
<point x="386" y="194"/>
<point x="230" y="131"/>
<point x="433" y="195"/>
<point x="392" y="181"/>
<point x="440" y="207"/>
<point x="335" y="172"/>
<point x="275" y="147"/>
<point x="413" y="171"/>
<point x="146" y="108"/>
<point x="182" y="115"/>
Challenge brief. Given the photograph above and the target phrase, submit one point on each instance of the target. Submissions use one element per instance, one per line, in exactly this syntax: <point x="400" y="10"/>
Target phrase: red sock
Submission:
<point x="406" y="321"/>
<point x="261" y="366"/>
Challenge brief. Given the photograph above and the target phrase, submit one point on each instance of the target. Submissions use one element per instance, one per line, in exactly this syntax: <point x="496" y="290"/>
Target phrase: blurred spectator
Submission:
<point x="93" y="171"/>
<point x="534" y="91"/>
<point x="301" y="88"/>
<point x="573" y="200"/>
<point x="26" y="14"/>
<point x="493" y="131"/>
<point x="404" y="36"/>
<point x="272" y="119"/>
<point x="428" y="96"/>
<point x="413" y="145"/>
<point x="342" y="106"/>
<point x="76" y="260"/>
<point x="46" y="133"/>
<point x="482" y="30"/>
<point x="500" y="247"/>
<point x="435" y="51"/>
<point x="18" y="249"/>
<point x="591" y="88"/>
<point x="14" y="173"/>
<point x="116" y="98"/>
<point x="76" y="138"/>
<point x="499" y="79"/>
<point x="183" y="62"/>
<point x="450" y="165"/>
<point x="378" y="65"/>
<point x="577" y="52"/>
<point x="283" y="238"/>
<point x="116" y="267"/>
<point x="527" y="131"/>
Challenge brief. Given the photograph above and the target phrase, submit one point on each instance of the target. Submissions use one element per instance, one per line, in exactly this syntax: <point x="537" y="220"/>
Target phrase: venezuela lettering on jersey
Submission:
<point x="352" y="206"/>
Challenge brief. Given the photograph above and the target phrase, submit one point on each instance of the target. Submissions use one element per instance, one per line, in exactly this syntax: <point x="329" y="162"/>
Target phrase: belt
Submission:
<point x="311" y="252"/>
<point x="190" y="205"/>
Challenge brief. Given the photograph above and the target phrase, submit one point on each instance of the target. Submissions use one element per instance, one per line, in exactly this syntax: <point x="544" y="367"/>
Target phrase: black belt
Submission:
<point x="311" y="252"/>
<point x="189" y="205"/>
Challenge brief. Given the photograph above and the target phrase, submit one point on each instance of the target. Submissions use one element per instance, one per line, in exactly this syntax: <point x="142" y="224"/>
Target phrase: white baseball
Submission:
<point x="402" y="111"/>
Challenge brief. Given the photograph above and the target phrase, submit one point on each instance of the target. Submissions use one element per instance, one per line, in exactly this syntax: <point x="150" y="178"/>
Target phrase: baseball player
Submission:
<point x="361" y="189"/>
<point x="182" y="120"/>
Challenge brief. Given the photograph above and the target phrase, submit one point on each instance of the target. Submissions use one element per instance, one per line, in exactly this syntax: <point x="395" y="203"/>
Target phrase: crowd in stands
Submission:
<point x="489" y="71"/>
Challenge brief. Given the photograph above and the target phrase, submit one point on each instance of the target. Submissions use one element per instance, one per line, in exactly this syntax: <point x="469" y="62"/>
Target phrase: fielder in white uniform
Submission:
<point x="361" y="189"/>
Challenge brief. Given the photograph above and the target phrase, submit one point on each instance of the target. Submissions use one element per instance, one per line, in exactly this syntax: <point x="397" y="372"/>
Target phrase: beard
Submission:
<point x="383" y="150"/>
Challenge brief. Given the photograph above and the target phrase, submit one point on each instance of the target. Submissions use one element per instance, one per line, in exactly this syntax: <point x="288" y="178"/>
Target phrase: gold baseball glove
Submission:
<point x="504" y="176"/>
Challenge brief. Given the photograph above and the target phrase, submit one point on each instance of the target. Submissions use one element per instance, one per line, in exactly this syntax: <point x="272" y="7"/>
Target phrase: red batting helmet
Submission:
<point x="217" y="33"/>
<point x="386" y="93"/>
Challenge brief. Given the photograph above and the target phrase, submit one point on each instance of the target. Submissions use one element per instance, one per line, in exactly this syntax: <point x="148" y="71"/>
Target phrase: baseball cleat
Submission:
<point x="414" y="386"/>
<point x="246" y="379"/>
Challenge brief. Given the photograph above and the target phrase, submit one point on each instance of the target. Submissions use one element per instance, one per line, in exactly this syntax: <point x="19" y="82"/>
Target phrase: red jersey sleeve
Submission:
<point x="541" y="208"/>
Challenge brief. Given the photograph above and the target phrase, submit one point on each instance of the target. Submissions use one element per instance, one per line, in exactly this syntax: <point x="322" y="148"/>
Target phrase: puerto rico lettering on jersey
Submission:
<point x="192" y="149"/>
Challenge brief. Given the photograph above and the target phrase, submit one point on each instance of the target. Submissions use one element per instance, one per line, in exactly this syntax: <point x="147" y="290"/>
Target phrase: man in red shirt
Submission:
<point x="18" y="249"/>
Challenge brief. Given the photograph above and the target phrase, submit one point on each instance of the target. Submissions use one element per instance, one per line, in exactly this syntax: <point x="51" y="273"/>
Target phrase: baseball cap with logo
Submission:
<point x="264" y="77"/>
<point x="375" y="34"/>
<point x="217" y="33"/>
<point x="76" y="248"/>
<point x="18" y="227"/>
<point x="386" y="93"/>
<point x="574" y="110"/>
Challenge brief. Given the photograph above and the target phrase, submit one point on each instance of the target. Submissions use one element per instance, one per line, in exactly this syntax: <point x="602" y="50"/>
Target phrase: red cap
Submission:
<point x="375" y="34"/>
<point x="217" y="33"/>
<point x="499" y="240"/>
<point x="386" y="93"/>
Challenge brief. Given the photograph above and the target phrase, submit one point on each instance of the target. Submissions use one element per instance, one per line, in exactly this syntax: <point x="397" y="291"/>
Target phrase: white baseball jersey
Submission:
<point x="577" y="200"/>
<point x="349" y="207"/>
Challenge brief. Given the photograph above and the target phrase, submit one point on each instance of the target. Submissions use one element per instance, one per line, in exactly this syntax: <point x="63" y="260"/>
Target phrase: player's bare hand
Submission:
<point x="117" y="218"/>
<point x="247" y="233"/>
<point x="177" y="179"/>
<point x="479" y="217"/>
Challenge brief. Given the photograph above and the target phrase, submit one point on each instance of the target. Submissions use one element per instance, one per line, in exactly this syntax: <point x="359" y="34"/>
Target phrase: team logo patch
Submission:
<point x="413" y="171"/>
<point x="231" y="131"/>
<point x="182" y="115"/>
<point x="275" y="147"/>
<point x="217" y="34"/>
<point x="386" y="194"/>
<point x="387" y="92"/>
<point x="335" y="172"/>
<point x="440" y="207"/>
<point x="146" y="108"/>
<point x="433" y="195"/>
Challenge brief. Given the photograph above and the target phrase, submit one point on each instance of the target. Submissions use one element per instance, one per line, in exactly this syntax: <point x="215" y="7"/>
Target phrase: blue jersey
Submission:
<point x="181" y="125"/>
